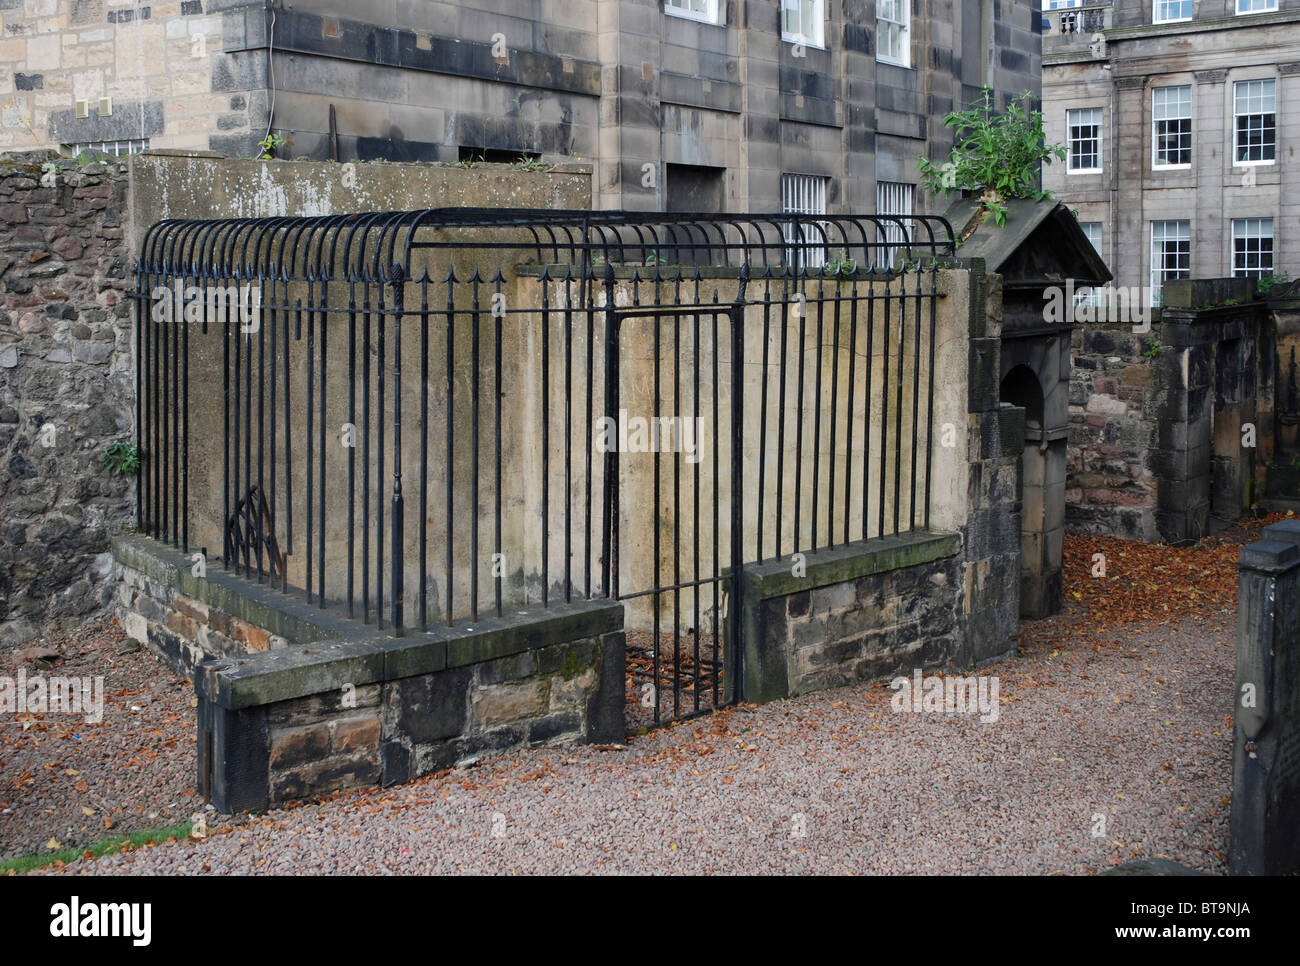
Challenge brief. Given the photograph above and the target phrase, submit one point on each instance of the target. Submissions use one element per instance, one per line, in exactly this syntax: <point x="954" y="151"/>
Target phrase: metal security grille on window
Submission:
<point x="894" y="198"/>
<point x="1255" y="109"/>
<point x="1171" y="114"/>
<point x="1085" y="139"/>
<point x="1171" y="254"/>
<point x="892" y="19"/>
<point x="1256" y="6"/>
<point x="804" y="194"/>
<point x="1252" y="247"/>
<point x="116" y="149"/>
<point x="1167" y="10"/>
<point x="801" y="21"/>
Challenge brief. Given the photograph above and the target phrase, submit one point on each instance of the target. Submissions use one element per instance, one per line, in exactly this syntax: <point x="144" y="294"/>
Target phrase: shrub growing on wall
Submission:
<point x="998" y="155"/>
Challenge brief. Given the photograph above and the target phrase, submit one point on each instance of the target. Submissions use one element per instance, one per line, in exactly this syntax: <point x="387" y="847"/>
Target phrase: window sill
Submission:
<point x="1071" y="171"/>
<point x="1171" y="167"/>
<point x="795" y="39"/>
<point x="1254" y="164"/>
<point x="1159" y="23"/>
<point x="882" y="59"/>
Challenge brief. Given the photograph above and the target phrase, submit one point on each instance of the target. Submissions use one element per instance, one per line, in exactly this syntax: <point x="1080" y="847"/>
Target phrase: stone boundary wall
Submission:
<point x="1116" y="395"/>
<point x="859" y="613"/>
<point x="1156" y="417"/>
<point x="66" y="388"/>
<point x="328" y="704"/>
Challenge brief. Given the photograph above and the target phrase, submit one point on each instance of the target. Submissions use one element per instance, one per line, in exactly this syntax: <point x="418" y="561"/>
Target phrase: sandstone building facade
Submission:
<point x="1181" y="119"/>
<point x="735" y="105"/>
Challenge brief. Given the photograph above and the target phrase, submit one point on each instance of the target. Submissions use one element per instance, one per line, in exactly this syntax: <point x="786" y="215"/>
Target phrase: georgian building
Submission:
<point x="1180" y="119"/>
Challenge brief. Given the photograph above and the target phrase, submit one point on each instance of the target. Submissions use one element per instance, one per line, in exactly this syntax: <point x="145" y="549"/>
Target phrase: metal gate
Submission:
<point x="700" y="670"/>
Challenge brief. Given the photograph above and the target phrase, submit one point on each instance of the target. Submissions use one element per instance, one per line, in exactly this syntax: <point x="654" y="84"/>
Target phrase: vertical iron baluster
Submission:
<point x="352" y="444"/>
<point x="780" y="408"/>
<point x="365" y="450"/>
<point x="834" y="415"/>
<point x="929" y="406"/>
<point x="870" y="365"/>
<point x="275" y="350"/>
<point x="798" y="424"/>
<point x="323" y="315"/>
<point x="544" y="411"/>
<point x="853" y="385"/>
<point x="424" y="450"/>
<point x="381" y="343"/>
<point x="311" y="438"/>
<point x="261" y="419"/>
<point x="884" y="406"/>
<point x="737" y="487"/>
<point x="657" y="596"/>
<point x="399" y="547"/>
<point x="817" y="408"/>
<point x="288" y="440"/>
<point x="568" y="441"/>
<point x="498" y="560"/>
<point x="185" y="447"/>
<point x="898" y="408"/>
<point x="677" y="511"/>
<point x="717" y="562"/>
<point x="695" y="501"/>
<point x="451" y="412"/>
<point x="916" y="402"/>
<point x="762" y="419"/>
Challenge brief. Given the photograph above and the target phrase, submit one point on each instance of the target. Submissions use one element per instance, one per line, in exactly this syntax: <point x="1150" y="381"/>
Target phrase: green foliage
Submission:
<point x="122" y="458"/>
<point x="467" y="163"/>
<point x="653" y="257"/>
<point x="120" y="843"/>
<point x="1153" y="347"/>
<point x="1264" y="285"/>
<point x="526" y="163"/>
<point x="271" y="144"/>
<point x="997" y="154"/>
<point x="840" y="265"/>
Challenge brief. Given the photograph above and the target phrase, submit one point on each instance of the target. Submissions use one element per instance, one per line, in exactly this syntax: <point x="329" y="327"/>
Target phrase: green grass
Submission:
<point x="26" y="863"/>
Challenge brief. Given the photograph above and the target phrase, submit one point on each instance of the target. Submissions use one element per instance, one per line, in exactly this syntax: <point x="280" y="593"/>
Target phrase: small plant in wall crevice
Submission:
<point x="122" y="458"/>
<point x="272" y="144"/>
<point x="1152" y="347"/>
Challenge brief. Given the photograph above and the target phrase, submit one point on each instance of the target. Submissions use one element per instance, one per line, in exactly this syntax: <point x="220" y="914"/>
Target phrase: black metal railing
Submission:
<point x="375" y="409"/>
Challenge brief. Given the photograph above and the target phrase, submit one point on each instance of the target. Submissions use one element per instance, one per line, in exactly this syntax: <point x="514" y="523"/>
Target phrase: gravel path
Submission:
<point x="1134" y="727"/>
<point x="66" y="781"/>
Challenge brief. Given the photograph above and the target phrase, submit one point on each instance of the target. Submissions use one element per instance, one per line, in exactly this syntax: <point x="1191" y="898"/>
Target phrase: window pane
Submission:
<point x="1084" y="133"/>
<point x="1255" y="106"/>
<point x="1171" y="113"/>
<point x="1171" y="254"/>
<point x="1172" y="10"/>
<point x="1252" y="247"/>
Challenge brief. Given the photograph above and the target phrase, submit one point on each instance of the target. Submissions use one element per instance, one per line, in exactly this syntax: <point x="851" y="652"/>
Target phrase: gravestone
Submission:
<point x="1265" y="824"/>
